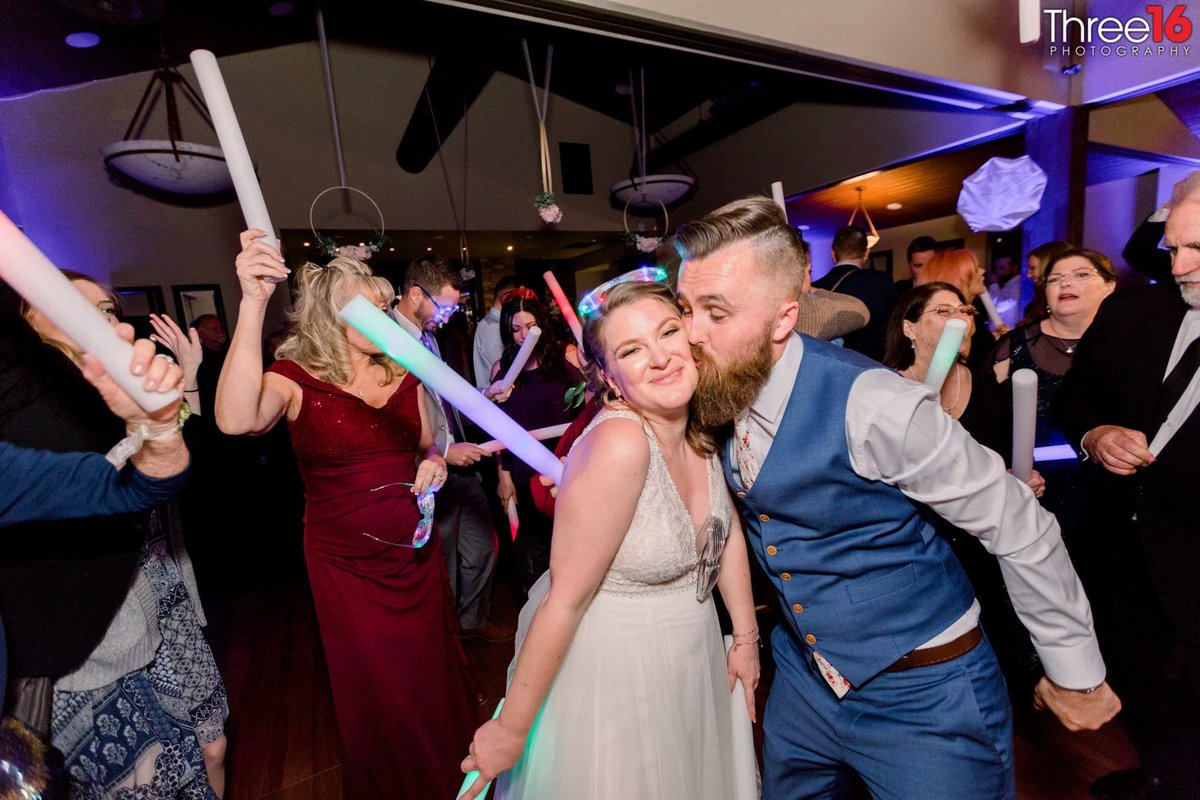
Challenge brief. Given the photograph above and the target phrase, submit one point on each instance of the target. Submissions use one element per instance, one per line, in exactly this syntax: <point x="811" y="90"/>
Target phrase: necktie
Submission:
<point x="1175" y="383"/>
<point x="747" y="464"/>
<point x="453" y="421"/>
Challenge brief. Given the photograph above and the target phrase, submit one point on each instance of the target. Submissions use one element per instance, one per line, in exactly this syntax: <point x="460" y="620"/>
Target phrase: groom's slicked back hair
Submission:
<point x="778" y="248"/>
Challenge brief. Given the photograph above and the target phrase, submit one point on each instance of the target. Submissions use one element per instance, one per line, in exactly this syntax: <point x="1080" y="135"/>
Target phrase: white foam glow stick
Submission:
<point x="233" y="144"/>
<point x="946" y="353"/>
<point x="1024" y="388"/>
<point x="365" y="317"/>
<point x="777" y="194"/>
<point x="518" y="364"/>
<point x="990" y="308"/>
<point x="32" y="275"/>
<point x="564" y="305"/>
<point x="541" y="434"/>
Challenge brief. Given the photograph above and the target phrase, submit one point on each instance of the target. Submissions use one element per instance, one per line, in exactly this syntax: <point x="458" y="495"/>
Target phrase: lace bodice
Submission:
<point x="658" y="555"/>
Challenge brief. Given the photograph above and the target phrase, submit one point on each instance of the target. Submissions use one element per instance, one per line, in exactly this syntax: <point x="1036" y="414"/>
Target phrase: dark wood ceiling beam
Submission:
<point x="456" y="79"/>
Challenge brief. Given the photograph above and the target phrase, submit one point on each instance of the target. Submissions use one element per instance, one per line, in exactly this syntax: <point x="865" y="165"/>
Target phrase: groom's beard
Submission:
<point x="723" y="393"/>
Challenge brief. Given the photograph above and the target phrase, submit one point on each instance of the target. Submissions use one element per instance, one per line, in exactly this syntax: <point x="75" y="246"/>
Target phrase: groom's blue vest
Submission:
<point x="862" y="577"/>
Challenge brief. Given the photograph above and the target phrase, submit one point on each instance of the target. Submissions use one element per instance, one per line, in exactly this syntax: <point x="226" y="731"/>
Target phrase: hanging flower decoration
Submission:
<point x="548" y="210"/>
<point x="645" y="241"/>
<point x="546" y="207"/>
<point x="361" y="251"/>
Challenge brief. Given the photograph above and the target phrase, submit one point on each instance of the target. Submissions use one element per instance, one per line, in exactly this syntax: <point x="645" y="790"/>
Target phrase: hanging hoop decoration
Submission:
<point x="639" y="239"/>
<point x="329" y="247"/>
<point x="545" y="204"/>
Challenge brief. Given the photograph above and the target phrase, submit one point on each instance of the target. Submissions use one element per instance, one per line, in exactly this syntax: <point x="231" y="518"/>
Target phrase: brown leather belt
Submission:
<point x="939" y="654"/>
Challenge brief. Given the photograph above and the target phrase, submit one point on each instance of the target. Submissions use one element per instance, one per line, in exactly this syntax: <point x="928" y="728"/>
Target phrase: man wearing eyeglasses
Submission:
<point x="428" y="297"/>
<point x="1129" y="404"/>
<point x="835" y="462"/>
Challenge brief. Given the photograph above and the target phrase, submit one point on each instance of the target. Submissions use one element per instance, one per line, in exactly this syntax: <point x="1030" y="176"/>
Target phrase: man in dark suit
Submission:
<point x="1130" y="404"/>
<point x="920" y="250"/>
<point x="850" y="276"/>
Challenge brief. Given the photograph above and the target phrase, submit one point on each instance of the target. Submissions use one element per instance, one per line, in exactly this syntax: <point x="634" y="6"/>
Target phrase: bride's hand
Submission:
<point x="495" y="749"/>
<point x="742" y="662"/>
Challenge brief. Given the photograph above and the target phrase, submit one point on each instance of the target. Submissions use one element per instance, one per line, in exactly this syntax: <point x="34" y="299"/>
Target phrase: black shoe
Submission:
<point x="1127" y="784"/>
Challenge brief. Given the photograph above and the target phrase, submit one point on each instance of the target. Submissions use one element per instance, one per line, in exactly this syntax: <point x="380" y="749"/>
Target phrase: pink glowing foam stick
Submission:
<point x="564" y="305"/>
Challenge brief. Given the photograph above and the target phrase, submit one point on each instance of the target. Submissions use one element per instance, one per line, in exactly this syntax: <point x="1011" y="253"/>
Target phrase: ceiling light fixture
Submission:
<point x="169" y="165"/>
<point x="894" y="206"/>
<point x="82" y="40"/>
<point x="872" y="234"/>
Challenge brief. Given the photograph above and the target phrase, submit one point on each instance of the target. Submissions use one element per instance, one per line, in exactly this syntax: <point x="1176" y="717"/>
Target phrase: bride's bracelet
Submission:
<point x="740" y="639"/>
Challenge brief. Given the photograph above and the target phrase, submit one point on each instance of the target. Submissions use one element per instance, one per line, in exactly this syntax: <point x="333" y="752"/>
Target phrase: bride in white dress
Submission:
<point x="622" y="688"/>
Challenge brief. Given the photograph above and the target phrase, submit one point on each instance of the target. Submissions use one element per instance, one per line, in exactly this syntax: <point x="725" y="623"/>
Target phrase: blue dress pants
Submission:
<point x="940" y="732"/>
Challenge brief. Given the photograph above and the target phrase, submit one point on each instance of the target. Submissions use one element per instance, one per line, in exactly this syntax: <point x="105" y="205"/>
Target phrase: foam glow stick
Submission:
<point x="233" y="144"/>
<point x="541" y="434"/>
<point x="990" y="308"/>
<point x="777" y="194"/>
<point x="518" y="364"/>
<point x="945" y="355"/>
<point x="564" y="305"/>
<point x="365" y="317"/>
<point x="473" y="775"/>
<point x="32" y="275"/>
<point x="514" y="521"/>
<point x="1024" y="388"/>
<point x="1054" y="452"/>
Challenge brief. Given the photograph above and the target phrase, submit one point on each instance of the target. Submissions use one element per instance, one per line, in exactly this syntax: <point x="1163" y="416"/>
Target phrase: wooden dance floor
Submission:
<point x="283" y="742"/>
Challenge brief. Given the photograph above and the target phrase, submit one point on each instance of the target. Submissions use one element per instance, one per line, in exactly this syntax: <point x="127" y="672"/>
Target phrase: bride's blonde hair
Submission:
<point x="318" y="335"/>
<point x="624" y="294"/>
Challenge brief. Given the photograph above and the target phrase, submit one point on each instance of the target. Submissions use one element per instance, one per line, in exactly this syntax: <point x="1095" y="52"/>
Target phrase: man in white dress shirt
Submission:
<point x="835" y="462"/>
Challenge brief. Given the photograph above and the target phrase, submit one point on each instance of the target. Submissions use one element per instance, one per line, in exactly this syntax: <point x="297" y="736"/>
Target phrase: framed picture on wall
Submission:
<point x="196" y="299"/>
<point x="880" y="261"/>
<point x="137" y="304"/>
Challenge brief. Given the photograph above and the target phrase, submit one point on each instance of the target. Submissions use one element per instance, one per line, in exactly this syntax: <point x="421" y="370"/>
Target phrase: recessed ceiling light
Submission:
<point x="894" y="206"/>
<point x="83" y="40"/>
<point x="509" y="248"/>
<point x="281" y="9"/>
<point x="308" y="244"/>
<point x="428" y="249"/>
<point x="391" y="249"/>
<point x="801" y="227"/>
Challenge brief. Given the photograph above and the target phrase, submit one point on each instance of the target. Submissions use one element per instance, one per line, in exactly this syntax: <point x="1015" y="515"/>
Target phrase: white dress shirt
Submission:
<point x="488" y="347"/>
<point x="897" y="433"/>
<point x="1189" y="330"/>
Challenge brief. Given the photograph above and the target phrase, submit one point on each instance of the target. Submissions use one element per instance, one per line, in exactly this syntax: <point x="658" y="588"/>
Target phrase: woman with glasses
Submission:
<point x="536" y="400"/>
<point x="912" y="336"/>
<point x="1075" y="283"/>
<point x="369" y="463"/>
<point x="621" y="687"/>
<point x="962" y="270"/>
<point x="144" y="704"/>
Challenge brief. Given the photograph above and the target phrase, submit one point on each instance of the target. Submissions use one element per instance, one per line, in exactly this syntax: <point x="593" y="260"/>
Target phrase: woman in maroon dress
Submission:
<point x="378" y="580"/>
